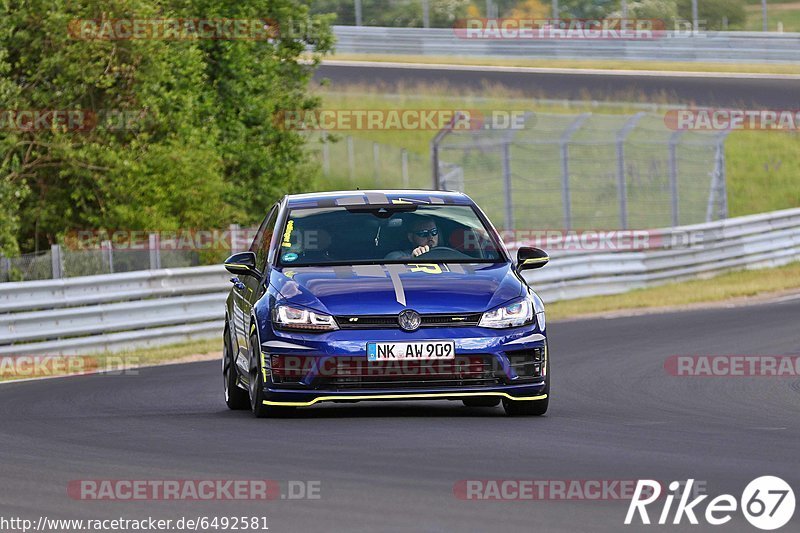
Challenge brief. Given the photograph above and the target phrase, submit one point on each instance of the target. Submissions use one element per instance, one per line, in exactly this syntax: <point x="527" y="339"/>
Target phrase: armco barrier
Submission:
<point x="112" y="312"/>
<point x="755" y="241"/>
<point x="119" y="311"/>
<point x="707" y="46"/>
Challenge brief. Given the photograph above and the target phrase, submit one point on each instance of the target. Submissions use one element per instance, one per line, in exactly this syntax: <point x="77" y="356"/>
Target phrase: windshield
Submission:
<point x="402" y="234"/>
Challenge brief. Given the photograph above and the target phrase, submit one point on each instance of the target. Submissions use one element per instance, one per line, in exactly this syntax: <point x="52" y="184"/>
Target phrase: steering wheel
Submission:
<point x="449" y="253"/>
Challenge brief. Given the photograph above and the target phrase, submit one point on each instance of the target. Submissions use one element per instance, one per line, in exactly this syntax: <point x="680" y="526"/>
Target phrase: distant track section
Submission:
<point x="712" y="89"/>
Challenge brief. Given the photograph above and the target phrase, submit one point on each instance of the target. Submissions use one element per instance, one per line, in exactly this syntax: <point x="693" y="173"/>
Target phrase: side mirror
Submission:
<point x="528" y="258"/>
<point x="242" y="264"/>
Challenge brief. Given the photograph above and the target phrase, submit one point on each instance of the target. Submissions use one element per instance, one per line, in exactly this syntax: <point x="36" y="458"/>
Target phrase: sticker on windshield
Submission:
<point x="287" y="236"/>
<point x="289" y="257"/>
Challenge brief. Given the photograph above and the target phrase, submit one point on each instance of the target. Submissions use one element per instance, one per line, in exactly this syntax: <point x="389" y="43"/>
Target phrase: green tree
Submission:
<point x="586" y="9"/>
<point x="205" y="150"/>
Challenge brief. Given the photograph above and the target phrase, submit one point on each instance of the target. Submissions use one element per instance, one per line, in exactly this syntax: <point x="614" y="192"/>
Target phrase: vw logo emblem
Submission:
<point x="409" y="320"/>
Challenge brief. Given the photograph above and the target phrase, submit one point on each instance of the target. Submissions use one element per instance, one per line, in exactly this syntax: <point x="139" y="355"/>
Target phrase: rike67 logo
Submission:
<point x="767" y="503"/>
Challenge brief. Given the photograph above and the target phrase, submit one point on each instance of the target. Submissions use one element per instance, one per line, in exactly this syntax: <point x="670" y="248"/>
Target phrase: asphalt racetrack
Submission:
<point x="616" y="414"/>
<point x="705" y="90"/>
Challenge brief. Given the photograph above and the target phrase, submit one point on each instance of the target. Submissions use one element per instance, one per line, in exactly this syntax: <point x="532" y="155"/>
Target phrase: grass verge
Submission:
<point x="762" y="166"/>
<point x="725" y="287"/>
<point x="114" y="363"/>
<point x="785" y="14"/>
<point x="667" y="66"/>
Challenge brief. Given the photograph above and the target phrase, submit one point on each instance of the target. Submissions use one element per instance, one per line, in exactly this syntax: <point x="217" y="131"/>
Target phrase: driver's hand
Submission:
<point x="420" y="250"/>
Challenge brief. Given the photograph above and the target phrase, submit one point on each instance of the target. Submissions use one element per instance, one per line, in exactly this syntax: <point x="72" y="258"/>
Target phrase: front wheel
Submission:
<point x="257" y="386"/>
<point x="236" y="398"/>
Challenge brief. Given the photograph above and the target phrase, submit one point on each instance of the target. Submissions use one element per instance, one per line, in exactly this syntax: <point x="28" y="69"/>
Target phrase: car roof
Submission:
<point x="376" y="197"/>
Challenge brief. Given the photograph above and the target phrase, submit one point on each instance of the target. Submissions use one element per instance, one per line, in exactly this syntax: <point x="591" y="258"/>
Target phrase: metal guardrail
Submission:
<point x="755" y="241"/>
<point x="112" y="312"/>
<point x="119" y="311"/>
<point x="710" y="46"/>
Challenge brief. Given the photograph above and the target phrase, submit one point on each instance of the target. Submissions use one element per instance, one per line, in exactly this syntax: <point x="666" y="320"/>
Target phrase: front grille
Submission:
<point x="476" y="370"/>
<point x="353" y="373"/>
<point x="390" y="321"/>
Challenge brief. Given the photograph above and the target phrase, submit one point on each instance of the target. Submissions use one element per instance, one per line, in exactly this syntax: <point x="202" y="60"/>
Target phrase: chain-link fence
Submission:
<point x="561" y="171"/>
<point x="400" y="13"/>
<point x="349" y="162"/>
<point x="191" y="248"/>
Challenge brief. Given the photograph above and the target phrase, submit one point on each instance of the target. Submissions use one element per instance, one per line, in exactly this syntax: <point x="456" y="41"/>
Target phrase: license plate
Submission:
<point x="404" y="351"/>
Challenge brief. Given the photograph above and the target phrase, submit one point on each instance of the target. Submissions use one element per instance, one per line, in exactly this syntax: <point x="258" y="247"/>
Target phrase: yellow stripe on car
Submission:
<point x="537" y="260"/>
<point x="404" y="397"/>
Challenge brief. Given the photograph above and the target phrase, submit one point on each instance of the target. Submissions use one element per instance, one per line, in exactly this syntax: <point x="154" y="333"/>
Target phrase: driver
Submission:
<point x="423" y="237"/>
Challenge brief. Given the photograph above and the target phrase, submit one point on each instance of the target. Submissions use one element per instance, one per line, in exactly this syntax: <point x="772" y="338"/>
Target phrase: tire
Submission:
<point x="485" y="401"/>
<point x="236" y="398"/>
<point x="530" y="407"/>
<point x="256" y="389"/>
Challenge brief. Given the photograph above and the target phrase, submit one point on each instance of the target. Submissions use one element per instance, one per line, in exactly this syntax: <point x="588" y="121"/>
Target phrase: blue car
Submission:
<point x="383" y="295"/>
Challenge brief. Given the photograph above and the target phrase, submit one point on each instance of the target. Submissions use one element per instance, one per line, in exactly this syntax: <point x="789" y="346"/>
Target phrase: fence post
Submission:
<point x="507" y="185"/>
<point x="56" y="261"/>
<point x="435" y="162"/>
<point x="5" y="268"/>
<point x="622" y="188"/>
<point x="351" y="158"/>
<point x="673" y="176"/>
<point x="155" y="251"/>
<point x="326" y="154"/>
<point x="376" y="160"/>
<point x="566" y="199"/>
<point x="717" y="194"/>
<point x="234" y="231"/>
<point x="437" y="139"/>
<point x="723" y="175"/>
<point x="108" y="255"/>
<point x="404" y="167"/>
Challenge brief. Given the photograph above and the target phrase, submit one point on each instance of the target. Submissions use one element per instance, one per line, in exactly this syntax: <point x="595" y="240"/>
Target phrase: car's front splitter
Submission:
<point x="294" y="398"/>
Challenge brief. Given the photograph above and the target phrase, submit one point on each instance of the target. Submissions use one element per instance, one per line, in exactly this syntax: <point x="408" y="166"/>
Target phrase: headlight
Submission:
<point x="517" y="313"/>
<point x="538" y="307"/>
<point x="299" y="319"/>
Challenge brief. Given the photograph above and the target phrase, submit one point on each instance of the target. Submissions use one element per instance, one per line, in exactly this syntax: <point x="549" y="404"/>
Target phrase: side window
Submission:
<point x="264" y="236"/>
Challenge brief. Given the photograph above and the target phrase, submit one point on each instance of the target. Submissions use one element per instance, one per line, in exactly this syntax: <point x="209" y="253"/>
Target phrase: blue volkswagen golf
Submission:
<point x="383" y="295"/>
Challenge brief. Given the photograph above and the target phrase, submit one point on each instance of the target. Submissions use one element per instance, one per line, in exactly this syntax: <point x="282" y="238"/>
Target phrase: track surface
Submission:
<point x="712" y="91"/>
<point x="615" y="414"/>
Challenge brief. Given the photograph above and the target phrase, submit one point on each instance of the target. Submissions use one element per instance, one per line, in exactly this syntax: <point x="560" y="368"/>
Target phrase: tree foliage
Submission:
<point x="202" y="149"/>
<point x="394" y="13"/>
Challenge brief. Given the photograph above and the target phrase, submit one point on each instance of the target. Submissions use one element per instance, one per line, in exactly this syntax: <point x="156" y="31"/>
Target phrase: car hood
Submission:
<point x="390" y="288"/>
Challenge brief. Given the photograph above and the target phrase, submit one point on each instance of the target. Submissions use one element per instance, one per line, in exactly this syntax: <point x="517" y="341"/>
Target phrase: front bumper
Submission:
<point x="508" y="364"/>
